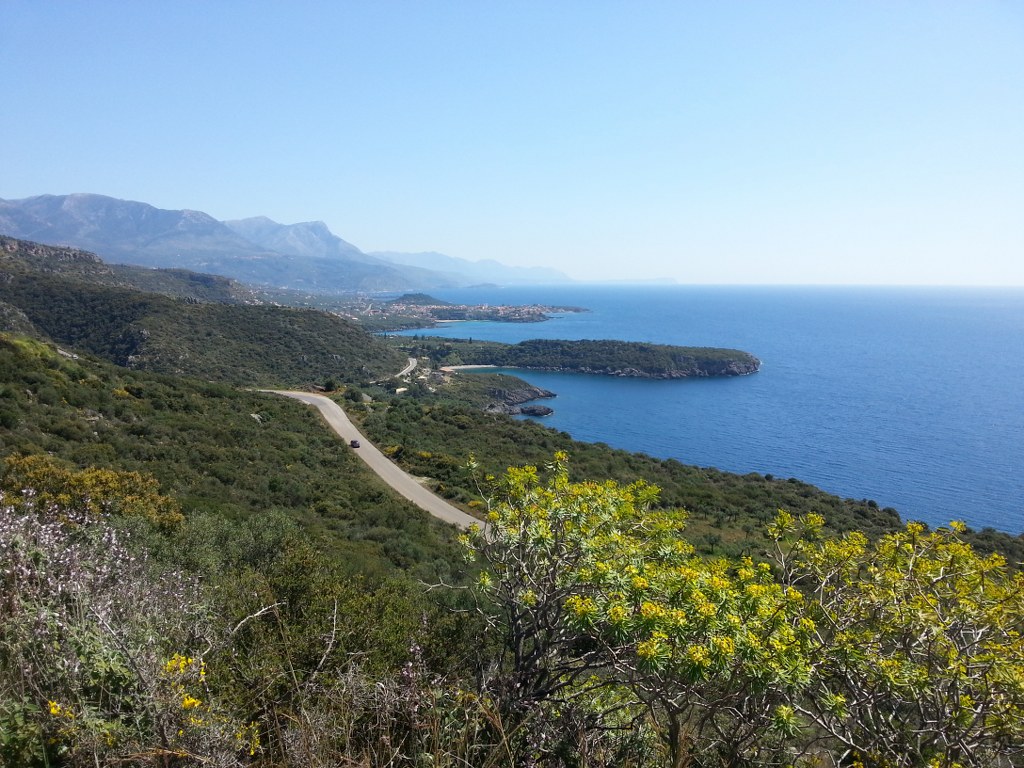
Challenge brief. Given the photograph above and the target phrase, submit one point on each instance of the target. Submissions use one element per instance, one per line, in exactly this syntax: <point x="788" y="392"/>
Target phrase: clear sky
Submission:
<point x="708" y="142"/>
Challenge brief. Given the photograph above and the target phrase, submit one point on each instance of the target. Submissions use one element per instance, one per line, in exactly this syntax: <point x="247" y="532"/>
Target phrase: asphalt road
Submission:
<point x="387" y="471"/>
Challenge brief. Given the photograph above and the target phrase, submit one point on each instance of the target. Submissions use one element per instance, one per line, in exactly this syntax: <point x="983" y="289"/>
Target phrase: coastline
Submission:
<point x="827" y="407"/>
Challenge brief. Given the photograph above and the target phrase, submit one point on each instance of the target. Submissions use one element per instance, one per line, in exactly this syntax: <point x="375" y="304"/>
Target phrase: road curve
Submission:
<point x="408" y="368"/>
<point x="379" y="463"/>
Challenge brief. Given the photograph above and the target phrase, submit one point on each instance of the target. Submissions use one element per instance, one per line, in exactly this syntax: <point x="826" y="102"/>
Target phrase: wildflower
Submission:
<point x="698" y="655"/>
<point x="581" y="607"/>
<point x="617" y="613"/>
<point x="649" y="610"/>
<point x="652" y="648"/>
<point x="177" y="664"/>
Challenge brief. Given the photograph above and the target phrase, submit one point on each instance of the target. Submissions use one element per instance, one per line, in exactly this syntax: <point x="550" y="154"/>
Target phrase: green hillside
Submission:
<point x="25" y="256"/>
<point x="605" y="357"/>
<point x="217" y="449"/>
<point x="64" y="299"/>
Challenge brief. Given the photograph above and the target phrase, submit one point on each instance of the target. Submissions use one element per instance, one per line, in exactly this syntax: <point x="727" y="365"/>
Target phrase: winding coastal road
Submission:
<point x="404" y="483"/>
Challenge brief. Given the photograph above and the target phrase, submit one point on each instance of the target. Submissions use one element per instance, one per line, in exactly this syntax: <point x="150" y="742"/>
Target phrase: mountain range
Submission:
<point x="305" y="256"/>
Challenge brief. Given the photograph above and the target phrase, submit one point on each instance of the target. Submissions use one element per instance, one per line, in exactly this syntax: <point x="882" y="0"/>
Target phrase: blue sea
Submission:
<point x="912" y="397"/>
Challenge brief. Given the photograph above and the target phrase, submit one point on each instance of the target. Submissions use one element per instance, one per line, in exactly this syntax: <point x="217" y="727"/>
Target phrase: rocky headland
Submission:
<point x="519" y="400"/>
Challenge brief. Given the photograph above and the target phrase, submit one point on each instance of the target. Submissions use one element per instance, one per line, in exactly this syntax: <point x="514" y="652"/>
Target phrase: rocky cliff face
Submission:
<point x="512" y="401"/>
<point x="48" y="258"/>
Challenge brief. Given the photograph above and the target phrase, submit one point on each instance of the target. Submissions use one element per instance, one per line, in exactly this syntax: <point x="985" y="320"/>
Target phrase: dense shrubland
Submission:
<point x="838" y="651"/>
<point x="216" y="449"/>
<point x="233" y="343"/>
<point x="594" y="356"/>
<point x="592" y="634"/>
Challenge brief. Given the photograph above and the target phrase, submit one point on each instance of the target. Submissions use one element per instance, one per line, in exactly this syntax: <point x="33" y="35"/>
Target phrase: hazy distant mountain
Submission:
<point x="305" y="256"/>
<point x="483" y="271"/>
<point x="310" y="238"/>
<point x="313" y="240"/>
<point x="309" y="257"/>
<point x="125" y="231"/>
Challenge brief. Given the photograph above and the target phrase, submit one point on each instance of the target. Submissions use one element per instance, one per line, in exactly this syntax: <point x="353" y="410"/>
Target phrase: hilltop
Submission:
<point x="21" y="256"/>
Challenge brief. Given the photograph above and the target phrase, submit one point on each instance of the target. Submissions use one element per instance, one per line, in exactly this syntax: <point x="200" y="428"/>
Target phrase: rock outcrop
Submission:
<point x="513" y="401"/>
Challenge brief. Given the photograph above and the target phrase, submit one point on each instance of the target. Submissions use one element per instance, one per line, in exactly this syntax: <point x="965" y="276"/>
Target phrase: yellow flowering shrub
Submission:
<point x="917" y="640"/>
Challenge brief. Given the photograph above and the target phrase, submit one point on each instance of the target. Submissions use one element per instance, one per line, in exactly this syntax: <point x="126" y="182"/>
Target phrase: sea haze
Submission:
<point x="909" y="396"/>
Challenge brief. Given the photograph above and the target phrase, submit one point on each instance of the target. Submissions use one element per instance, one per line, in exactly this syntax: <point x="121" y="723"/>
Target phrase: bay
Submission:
<point x="909" y="396"/>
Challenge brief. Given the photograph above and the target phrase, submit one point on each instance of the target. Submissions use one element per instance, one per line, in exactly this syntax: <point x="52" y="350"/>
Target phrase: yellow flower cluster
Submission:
<point x="698" y="655"/>
<point x="248" y="736"/>
<point x="178" y="663"/>
<point x="724" y="647"/>
<point x="704" y="607"/>
<point x="639" y="583"/>
<point x="649" y="610"/>
<point x="719" y="583"/>
<point x="581" y="607"/>
<point x="617" y="613"/>
<point x="656" y="646"/>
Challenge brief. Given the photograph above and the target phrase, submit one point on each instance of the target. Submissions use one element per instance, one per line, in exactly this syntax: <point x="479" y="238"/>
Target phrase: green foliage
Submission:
<point x="918" y="645"/>
<point x="593" y="586"/>
<point x="240" y="344"/>
<point x="620" y="358"/>
<point x="214" y="449"/>
<point x="597" y="627"/>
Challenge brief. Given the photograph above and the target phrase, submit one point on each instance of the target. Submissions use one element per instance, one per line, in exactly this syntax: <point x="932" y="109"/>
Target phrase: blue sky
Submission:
<point x="706" y="142"/>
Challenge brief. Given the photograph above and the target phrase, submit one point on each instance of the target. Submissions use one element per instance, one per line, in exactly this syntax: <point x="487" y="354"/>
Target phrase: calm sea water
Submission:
<point x="911" y="397"/>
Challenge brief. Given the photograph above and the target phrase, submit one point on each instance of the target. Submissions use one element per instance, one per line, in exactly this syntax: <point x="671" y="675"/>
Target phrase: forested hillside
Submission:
<point x="607" y="357"/>
<point x="227" y="342"/>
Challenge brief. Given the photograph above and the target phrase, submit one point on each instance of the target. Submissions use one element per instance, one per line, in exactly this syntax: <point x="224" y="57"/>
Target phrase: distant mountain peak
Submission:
<point x="306" y="239"/>
<point x="305" y="256"/>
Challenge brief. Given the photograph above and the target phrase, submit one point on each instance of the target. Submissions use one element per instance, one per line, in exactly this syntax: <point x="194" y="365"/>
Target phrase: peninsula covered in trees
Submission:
<point x="605" y="357"/>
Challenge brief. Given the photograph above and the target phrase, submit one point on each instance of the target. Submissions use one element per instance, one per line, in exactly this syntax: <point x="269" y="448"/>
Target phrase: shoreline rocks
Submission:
<point x="513" y="402"/>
